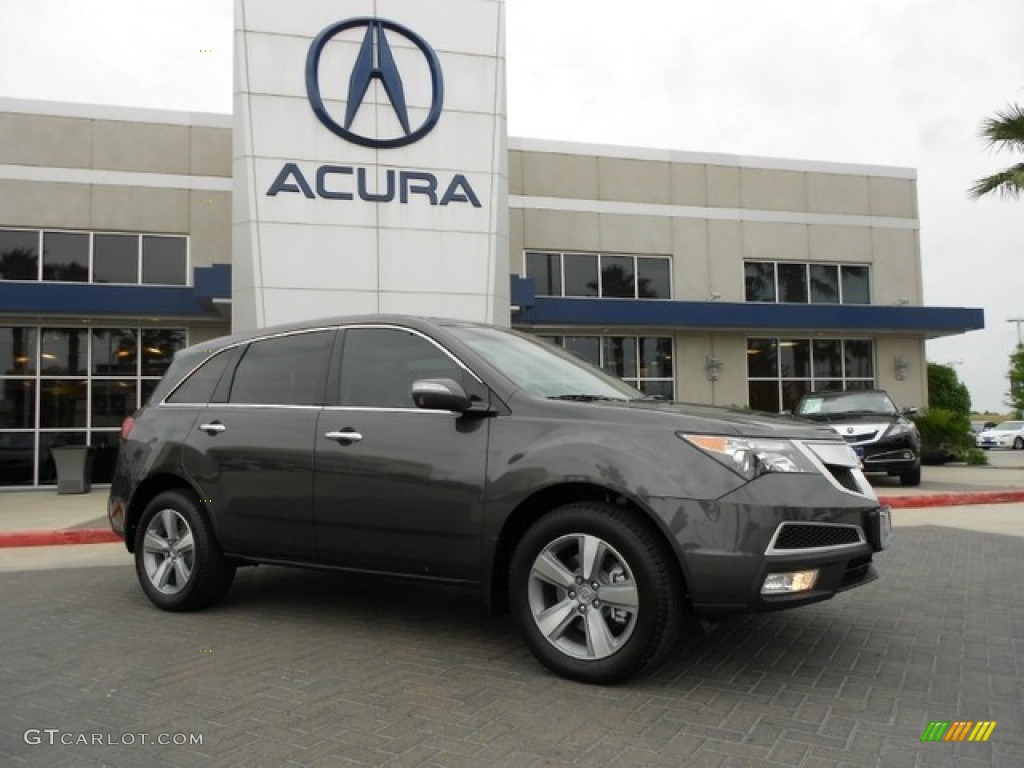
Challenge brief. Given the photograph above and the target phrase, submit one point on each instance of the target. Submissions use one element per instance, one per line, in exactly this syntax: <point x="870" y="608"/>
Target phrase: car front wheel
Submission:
<point x="1018" y="444"/>
<point x="177" y="559"/>
<point x="594" y="593"/>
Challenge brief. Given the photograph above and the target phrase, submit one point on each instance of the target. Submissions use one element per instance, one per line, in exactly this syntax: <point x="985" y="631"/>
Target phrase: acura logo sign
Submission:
<point x="375" y="61"/>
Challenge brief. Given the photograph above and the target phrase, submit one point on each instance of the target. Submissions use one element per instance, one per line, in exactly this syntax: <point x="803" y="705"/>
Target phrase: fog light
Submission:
<point x="785" y="583"/>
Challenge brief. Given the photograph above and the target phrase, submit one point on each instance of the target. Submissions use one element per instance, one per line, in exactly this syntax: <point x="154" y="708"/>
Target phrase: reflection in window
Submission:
<point x="17" y="404"/>
<point x="64" y="352"/>
<point x="545" y="269"/>
<point x="780" y="371"/>
<point x="18" y="350"/>
<point x="581" y="274"/>
<point x="62" y="403"/>
<point x="164" y="260"/>
<point x="112" y="401"/>
<point x="115" y="259"/>
<point x="599" y="275"/>
<point x="158" y="348"/>
<point x="801" y="283"/>
<point x="115" y="352"/>
<point x="645" y="362"/>
<point x="19" y="254"/>
<point x="66" y="256"/>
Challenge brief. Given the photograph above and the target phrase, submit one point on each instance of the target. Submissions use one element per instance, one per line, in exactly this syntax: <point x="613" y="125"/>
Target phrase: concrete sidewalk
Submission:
<point x="41" y="517"/>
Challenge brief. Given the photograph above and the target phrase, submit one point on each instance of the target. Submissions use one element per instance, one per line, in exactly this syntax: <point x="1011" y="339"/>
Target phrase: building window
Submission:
<point x="73" y="386"/>
<point x="96" y="257"/>
<point x="803" y="283"/>
<point x="595" y="275"/>
<point x="780" y="371"/>
<point x="643" y="361"/>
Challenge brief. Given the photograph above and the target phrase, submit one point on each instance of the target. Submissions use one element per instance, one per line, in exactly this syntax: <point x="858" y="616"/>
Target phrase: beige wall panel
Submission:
<point x="61" y="142"/>
<point x="636" y="234"/>
<point x="895" y="275"/>
<point x="36" y="204"/>
<point x="690" y="267"/>
<point x="839" y="243"/>
<point x="772" y="190"/>
<point x="516" y="242"/>
<point x="912" y="391"/>
<point x="689" y="184"/>
<point x="731" y="387"/>
<point x="893" y="197"/>
<point x="140" y="209"/>
<point x="838" y="193"/>
<point x="692" y="350"/>
<point x="515" y="172"/>
<point x="725" y="260"/>
<point x="723" y="186"/>
<point x="546" y="174"/>
<point x="141" y="147"/>
<point x="768" y="240"/>
<point x="210" y="227"/>
<point x="561" y="230"/>
<point x="636" y="181"/>
<point x="210" y="151"/>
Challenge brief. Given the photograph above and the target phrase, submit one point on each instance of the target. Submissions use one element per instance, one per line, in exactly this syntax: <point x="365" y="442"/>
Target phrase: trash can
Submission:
<point x="74" y="468"/>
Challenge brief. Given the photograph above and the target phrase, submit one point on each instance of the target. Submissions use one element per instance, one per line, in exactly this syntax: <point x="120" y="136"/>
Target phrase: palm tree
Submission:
<point x="1003" y="131"/>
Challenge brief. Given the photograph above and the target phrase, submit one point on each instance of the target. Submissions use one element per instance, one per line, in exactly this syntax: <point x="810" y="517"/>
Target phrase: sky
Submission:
<point x="879" y="82"/>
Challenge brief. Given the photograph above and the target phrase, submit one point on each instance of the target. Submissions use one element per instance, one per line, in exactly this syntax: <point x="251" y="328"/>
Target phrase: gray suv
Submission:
<point x="469" y="454"/>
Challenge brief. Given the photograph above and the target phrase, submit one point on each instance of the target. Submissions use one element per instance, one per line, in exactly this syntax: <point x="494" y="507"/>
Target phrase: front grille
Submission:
<point x="802" y="536"/>
<point x="864" y="437"/>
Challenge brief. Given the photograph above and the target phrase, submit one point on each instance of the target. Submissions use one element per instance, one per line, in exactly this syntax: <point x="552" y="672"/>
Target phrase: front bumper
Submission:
<point x="727" y="547"/>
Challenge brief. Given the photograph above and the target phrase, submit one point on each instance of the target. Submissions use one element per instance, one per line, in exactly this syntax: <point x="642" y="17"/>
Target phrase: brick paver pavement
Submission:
<point x="298" y="668"/>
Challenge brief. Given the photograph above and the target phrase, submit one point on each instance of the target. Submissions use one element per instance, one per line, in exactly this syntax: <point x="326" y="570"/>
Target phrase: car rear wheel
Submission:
<point x="594" y="593"/>
<point x="177" y="559"/>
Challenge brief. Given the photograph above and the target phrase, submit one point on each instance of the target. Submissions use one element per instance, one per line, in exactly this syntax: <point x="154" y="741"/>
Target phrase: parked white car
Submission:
<point x="1009" y="434"/>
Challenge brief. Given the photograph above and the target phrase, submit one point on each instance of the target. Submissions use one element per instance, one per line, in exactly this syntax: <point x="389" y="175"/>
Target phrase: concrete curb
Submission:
<point x="955" y="499"/>
<point x="58" y="537"/>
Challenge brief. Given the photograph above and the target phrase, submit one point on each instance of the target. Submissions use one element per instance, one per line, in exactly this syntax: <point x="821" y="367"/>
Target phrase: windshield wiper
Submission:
<point x="587" y="398"/>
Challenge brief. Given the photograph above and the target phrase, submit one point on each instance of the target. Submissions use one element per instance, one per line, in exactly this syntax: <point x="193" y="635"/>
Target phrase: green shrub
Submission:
<point x="945" y="435"/>
<point x="976" y="457"/>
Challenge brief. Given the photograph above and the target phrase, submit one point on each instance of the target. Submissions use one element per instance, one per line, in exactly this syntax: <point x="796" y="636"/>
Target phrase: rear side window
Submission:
<point x="285" y="370"/>
<point x="201" y="385"/>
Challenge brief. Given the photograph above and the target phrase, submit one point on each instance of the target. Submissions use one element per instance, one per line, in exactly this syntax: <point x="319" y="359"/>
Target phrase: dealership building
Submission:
<point x="126" y="234"/>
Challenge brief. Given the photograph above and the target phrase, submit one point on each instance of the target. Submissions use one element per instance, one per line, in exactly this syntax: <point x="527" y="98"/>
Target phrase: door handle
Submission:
<point x="345" y="436"/>
<point x="212" y="427"/>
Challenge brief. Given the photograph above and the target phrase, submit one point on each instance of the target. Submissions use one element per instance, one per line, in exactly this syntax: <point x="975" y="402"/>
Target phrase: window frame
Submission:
<point x="599" y="257"/>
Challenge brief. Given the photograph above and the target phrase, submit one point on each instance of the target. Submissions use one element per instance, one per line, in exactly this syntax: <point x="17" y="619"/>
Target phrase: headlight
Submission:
<point x="752" y="457"/>
<point x="901" y="427"/>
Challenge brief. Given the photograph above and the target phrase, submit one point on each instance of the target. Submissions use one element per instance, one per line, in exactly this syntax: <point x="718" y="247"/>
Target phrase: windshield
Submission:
<point x="541" y="368"/>
<point x="846" y="402"/>
<point x="1008" y="426"/>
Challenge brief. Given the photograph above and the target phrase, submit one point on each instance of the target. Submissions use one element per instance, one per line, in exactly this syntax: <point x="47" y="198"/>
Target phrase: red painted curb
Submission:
<point x="953" y="499"/>
<point x="58" y="537"/>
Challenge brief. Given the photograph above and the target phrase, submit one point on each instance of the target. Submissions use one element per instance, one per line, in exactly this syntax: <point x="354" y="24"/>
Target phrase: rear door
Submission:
<point x="399" y="488"/>
<point x="252" y="455"/>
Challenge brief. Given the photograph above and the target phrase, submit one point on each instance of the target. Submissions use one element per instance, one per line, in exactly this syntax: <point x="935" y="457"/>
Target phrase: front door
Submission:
<point x="399" y="488"/>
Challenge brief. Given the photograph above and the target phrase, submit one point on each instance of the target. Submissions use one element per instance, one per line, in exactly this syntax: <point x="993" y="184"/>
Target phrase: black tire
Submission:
<point x="912" y="477"/>
<point x="179" y="563"/>
<point x="625" y="617"/>
<point x="1018" y="444"/>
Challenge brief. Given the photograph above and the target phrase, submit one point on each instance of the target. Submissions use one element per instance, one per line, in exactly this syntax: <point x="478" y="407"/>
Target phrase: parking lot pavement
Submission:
<point x="301" y="668"/>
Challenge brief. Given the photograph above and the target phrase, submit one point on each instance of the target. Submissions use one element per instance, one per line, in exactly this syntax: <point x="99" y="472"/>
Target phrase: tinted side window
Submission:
<point x="379" y="365"/>
<point x="287" y="370"/>
<point x="200" y="386"/>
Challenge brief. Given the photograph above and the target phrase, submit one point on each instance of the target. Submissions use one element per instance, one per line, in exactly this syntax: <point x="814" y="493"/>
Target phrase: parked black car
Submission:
<point x="467" y="453"/>
<point x="882" y="435"/>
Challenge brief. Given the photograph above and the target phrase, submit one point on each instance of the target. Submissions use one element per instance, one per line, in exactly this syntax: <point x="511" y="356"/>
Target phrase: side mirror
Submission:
<point x="440" y="395"/>
<point x="908" y="411"/>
